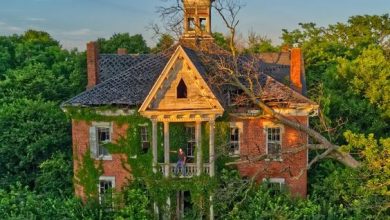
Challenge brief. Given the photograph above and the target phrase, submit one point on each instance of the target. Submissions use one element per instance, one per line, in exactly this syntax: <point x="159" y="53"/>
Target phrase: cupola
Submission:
<point x="197" y="18"/>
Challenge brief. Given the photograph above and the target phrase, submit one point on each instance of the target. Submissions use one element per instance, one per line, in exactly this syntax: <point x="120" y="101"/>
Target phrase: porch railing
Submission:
<point x="191" y="170"/>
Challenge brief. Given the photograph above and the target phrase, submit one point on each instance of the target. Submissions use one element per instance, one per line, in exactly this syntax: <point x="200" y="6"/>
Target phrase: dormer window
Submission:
<point x="181" y="92"/>
<point x="191" y="24"/>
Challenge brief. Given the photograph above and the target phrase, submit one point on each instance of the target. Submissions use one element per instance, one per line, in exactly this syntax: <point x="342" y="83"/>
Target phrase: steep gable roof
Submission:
<point x="128" y="79"/>
<point x="171" y="72"/>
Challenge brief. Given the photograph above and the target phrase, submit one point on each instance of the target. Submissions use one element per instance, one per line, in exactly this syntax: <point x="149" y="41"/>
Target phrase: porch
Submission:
<point x="191" y="170"/>
<point x="200" y="159"/>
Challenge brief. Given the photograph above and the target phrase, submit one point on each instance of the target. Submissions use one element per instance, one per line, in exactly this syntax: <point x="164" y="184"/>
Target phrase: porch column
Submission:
<point x="166" y="149"/>
<point x="154" y="163"/>
<point x="198" y="139"/>
<point x="212" y="149"/>
<point x="154" y="145"/>
<point x="212" y="162"/>
<point x="211" y="208"/>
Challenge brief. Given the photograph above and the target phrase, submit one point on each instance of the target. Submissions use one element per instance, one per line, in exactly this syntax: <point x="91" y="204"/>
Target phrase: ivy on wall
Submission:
<point x="159" y="188"/>
<point x="88" y="175"/>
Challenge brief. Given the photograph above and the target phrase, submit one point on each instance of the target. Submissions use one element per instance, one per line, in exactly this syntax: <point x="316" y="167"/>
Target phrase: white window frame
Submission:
<point x="98" y="125"/>
<point x="193" y="141"/>
<point x="105" y="178"/>
<point x="141" y="126"/>
<point x="268" y="125"/>
<point x="239" y="126"/>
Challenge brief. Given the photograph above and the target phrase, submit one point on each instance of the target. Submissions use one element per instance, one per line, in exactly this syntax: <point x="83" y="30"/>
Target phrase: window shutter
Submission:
<point x="93" y="142"/>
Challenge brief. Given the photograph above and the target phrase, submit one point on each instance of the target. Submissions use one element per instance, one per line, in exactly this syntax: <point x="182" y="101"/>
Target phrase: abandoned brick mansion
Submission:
<point x="178" y="104"/>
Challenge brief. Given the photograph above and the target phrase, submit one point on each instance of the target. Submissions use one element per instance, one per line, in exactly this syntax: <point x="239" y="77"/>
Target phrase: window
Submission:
<point x="106" y="186"/>
<point x="99" y="135"/>
<point x="181" y="90"/>
<point x="234" y="147"/>
<point x="275" y="185"/>
<point x="274" y="149"/>
<point x="103" y="138"/>
<point x="202" y="23"/>
<point x="190" y="134"/>
<point x="191" y="24"/>
<point x="145" y="144"/>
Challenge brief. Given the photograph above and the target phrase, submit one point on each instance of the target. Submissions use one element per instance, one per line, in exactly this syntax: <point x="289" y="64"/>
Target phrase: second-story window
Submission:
<point x="104" y="137"/>
<point x="99" y="136"/>
<point x="145" y="144"/>
<point x="234" y="146"/>
<point x="274" y="147"/>
<point x="191" y="142"/>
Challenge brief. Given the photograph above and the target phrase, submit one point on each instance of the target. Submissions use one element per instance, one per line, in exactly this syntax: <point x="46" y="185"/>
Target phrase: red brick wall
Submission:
<point x="114" y="167"/>
<point x="253" y="143"/>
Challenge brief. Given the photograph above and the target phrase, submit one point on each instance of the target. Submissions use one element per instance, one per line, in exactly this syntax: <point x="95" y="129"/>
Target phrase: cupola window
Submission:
<point x="202" y="24"/>
<point x="191" y="24"/>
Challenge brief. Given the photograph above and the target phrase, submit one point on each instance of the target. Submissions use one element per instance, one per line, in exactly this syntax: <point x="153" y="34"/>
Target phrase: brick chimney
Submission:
<point x="122" y="51"/>
<point x="92" y="64"/>
<point x="297" y="70"/>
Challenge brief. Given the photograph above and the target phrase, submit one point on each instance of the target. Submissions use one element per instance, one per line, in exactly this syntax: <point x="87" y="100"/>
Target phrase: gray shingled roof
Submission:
<point x="112" y="64"/>
<point x="129" y="87"/>
<point x="127" y="79"/>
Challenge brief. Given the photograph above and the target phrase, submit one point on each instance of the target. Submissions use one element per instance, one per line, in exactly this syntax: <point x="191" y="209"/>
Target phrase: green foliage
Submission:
<point x="368" y="75"/>
<point x="347" y="69"/>
<point x="21" y="203"/>
<point x="165" y="42"/>
<point x="88" y="175"/>
<point x="30" y="132"/>
<point x="134" y="44"/>
<point x="259" y="44"/>
<point x="34" y="82"/>
<point x="136" y="205"/>
<point x="55" y="175"/>
<point x="221" y="40"/>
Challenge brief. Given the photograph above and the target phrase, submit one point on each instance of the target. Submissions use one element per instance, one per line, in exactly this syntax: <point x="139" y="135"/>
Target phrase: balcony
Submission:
<point x="191" y="170"/>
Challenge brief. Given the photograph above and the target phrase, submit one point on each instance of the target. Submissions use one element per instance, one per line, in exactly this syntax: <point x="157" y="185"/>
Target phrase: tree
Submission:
<point x="33" y="128"/>
<point x="165" y="42"/>
<point x="30" y="132"/>
<point x="55" y="176"/>
<point x="259" y="44"/>
<point x="34" y="82"/>
<point x="134" y="44"/>
<point x="221" y="40"/>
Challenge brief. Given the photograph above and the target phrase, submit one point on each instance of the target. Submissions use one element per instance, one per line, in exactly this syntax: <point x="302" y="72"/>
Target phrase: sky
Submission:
<point x="75" y="22"/>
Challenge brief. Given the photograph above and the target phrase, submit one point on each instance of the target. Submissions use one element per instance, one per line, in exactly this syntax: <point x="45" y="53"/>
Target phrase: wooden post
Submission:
<point x="166" y="149"/>
<point x="154" y="145"/>
<point x="212" y="148"/>
<point x="154" y="163"/>
<point x="198" y="139"/>
<point x="212" y="162"/>
<point x="167" y="215"/>
<point x="211" y="208"/>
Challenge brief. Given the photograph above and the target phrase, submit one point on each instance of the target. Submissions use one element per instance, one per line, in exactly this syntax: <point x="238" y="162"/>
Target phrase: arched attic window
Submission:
<point x="181" y="90"/>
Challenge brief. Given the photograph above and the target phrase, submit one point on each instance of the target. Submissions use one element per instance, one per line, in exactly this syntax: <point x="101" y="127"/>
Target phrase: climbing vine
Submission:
<point x="159" y="188"/>
<point x="88" y="175"/>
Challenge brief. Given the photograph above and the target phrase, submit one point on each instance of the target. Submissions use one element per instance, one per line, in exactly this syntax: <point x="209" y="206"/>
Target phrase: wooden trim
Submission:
<point x="206" y="91"/>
